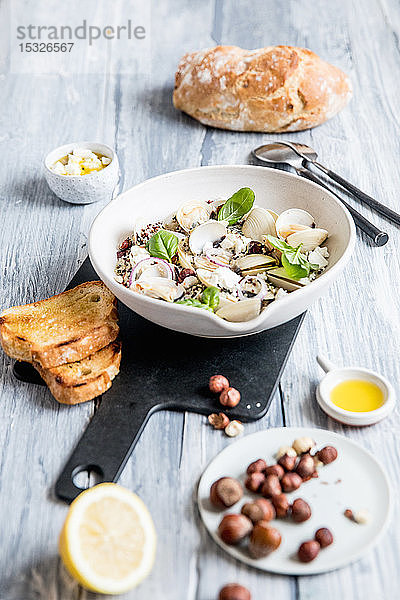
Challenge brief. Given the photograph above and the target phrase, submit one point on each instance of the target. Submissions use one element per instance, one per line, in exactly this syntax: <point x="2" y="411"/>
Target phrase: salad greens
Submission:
<point x="162" y="244"/>
<point x="295" y="264"/>
<point x="237" y="206"/>
<point x="209" y="300"/>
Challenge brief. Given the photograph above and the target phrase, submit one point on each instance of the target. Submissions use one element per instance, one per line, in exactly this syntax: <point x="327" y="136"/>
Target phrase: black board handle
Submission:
<point x="106" y="444"/>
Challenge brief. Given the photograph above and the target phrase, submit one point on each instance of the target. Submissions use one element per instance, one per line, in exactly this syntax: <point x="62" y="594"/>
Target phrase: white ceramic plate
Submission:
<point x="355" y="480"/>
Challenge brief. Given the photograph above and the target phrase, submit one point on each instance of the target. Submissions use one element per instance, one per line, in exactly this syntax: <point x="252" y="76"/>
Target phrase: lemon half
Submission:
<point x="108" y="540"/>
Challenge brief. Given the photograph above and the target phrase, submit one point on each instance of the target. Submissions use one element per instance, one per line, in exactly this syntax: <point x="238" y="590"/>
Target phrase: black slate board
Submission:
<point x="165" y="370"/>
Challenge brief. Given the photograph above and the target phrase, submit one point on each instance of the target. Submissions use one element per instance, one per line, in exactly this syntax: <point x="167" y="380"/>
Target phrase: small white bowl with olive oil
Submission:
<point x="354" y="395"/>
<point x="82" y="172"/>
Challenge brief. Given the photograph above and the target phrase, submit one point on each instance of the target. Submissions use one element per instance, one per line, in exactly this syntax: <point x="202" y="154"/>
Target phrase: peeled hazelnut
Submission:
<point x="308" y="551"/>
<point x="286" y="450"/>
<point x="303" y="444"/>
<point x="327" y="455"/>
<point x="225" y="492"/>
<point x="264" y="539"/>
<point x="362" y="516"/>
<point x="287" y="462"/>
<point x="234" y="528"/>
<point x="234" y="591"/>
<point x="257" y="465"/>
<point x="281" y="505"/>
<point x="260" y="510"/>
<point x="229" y="397"/>
<point x="317" y="462"/>
<point x="291" y="482"/>
<point x="306" y="466"/>
<point x="234" y="428"/>
<point x="254" y="481"/>
<point x="219" y="421"/>
<point x="271" y="486"/>
<point x="301" y="511"/>
<point x="324" y="537"/>
<point x="275" y="470"/>
<point x="218" y="383"/>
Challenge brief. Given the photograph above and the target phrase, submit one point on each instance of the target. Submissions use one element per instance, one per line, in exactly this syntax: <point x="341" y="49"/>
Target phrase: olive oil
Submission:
<point x="357" y="395"/>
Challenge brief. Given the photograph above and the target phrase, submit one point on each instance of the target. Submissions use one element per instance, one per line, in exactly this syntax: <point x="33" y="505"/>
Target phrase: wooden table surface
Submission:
<point x="43" y="241"/>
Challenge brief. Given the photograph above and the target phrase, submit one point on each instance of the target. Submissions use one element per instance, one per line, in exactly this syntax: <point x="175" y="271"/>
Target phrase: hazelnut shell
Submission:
<point x="264" y="539"/>
<point x="234" y="528"/>
<point x="234" y="591"/>
<point x="225" y="492"/>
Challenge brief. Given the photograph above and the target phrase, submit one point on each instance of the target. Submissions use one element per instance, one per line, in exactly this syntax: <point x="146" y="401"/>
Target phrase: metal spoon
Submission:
<point x="310" y="155"/>
<point x="283" y="153"/>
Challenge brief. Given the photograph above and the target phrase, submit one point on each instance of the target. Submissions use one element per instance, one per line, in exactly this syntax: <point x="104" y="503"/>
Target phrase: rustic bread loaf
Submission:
<point x="273" y="89"/>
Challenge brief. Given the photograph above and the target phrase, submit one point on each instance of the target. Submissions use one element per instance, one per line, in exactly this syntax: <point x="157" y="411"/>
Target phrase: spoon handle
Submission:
<point x="380" y="208"/>
<point x="379" y="237"/>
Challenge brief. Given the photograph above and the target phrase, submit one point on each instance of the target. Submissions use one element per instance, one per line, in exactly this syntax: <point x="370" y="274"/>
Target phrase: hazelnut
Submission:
<point x="234" y="528"/>
<point x="275" y="470"/>
<point x="287" y="462"/>
<point x="362" y="516"/>
<point x="260" y="510"/>
<point x="229" y="397"/>
<point x="306" y="466"/>
<point x="257" y="465"/>
<point x="219" y="421"/>
<point x="225" y="492"/>
<point x="317" y="462"/>
<point x="324" y="537"/>
<point x="218" y="383"/>
<point x="301" y="511"/>
<point x="254" y="481"/>
<point x="281" y="505"/>
<point x="327" y="455"/>
<point x="234" y="591"/>
<point x="234" y="428"/>
<point x="264" y="539"/>
<point x="308" y="551"/>
<point x="303" y="444"/>
<point x="286" y="450"/>
<point x="271" y="486"/>
<point x="291" y="482"/>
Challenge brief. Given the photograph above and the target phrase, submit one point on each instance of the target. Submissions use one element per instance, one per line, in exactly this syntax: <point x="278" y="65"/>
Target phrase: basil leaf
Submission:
<point x="293" y="261"/>
<point x="194" y="303"/>
<point x="210" y="297"/>
<point x="163" y="244"/>
<point x="237" y="206"/>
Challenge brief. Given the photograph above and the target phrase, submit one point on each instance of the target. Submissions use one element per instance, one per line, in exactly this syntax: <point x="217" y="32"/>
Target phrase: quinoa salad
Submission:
<point x="229" y="257"/>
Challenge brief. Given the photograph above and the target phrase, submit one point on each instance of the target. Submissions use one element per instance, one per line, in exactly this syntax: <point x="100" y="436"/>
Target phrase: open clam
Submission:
<point x="158" y="287"/>
<point x="185" y="258"/>
<point x="193" y="213"/>
<point x="205" y="235"/>
<point x="293" y="220"/>
<point x="259" y="222"/>
<point x="252" y="264"/>
<point x="279" y="278"/>
<point x="237" y="312"/>
<point x="308" y="238"/>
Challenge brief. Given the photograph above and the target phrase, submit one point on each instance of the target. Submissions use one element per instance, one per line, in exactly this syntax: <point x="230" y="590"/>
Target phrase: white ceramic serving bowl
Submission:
<point x="335" y="375"/>
<point x="157" y="198"/>
<point x="83" y="189"/>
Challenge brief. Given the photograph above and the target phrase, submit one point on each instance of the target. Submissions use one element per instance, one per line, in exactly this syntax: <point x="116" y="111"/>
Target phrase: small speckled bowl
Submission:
<point x="83" y="189"/>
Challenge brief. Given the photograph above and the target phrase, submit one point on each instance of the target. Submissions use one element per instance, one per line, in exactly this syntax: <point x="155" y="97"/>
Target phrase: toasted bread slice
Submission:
<point x="83" y="380"/>
<point x="62" y="329"/>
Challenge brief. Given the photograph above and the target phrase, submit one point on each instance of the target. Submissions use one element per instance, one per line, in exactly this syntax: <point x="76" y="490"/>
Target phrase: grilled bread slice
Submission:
<point x="83" y="380"/>
<point x="62" y="329"/>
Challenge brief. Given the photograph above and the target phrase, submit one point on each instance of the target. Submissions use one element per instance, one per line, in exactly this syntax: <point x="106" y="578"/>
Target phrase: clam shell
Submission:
<point x="192" y="213"/>
<point x="237" y="312"/>
<point x="158" y="287"/>
<point x="207" y="277"/>
<point x="185" y="258"/>
<point x="206" y="233"/>
<point x="292" y="220"/>
<point x="309" y="238"/>
<point x="202" y="262"/>
<point x="252" y="264"/>
<point x="258" y="222"/>
<point x="279" y="278"/>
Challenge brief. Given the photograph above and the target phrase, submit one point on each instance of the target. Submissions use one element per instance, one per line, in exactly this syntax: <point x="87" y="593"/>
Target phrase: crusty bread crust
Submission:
<point x="62" y="329"/>
<point x="273" y="89"/>
<point x="83" y="380"/>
